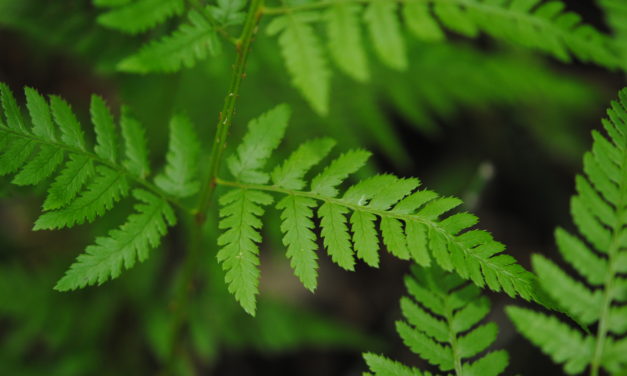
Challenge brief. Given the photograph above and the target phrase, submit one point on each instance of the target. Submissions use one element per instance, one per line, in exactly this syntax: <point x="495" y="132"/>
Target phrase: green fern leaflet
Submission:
<point x="441" y="325"/>
<point x="599" y="212"/>
<point x="413" y="223"/>
<point x="88" y="182"/>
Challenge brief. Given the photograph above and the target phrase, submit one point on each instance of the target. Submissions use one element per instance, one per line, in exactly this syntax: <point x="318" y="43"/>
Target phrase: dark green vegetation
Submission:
<point x="192" y="198"/>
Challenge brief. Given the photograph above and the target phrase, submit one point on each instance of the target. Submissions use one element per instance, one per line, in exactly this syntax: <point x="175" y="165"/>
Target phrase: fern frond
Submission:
<point x="135" y="143"/>
<point x="180" y="176"/>
<point x="419" y="21"/>
<point x="106" y="139"/>
<point x="413" y="223"/>
<point x="123" y="247"/>
<point x="141" y="15"/>
<point x="616" y="14"/>
<point x="304" y="57"/>
<point x="563" y="343"/>
<point x="598" y="211"/>
<point x="78" y="170"/>
<point x="228" y="12"/>
<point x="89" y="183"/>
<point x="382" y="366"/>
<point x="12" y="112"/>
<point x="264" y="135"/>
<point x="441" y="318"/>
<point x="71" y="132"/>
<point x="191" y="42"/>
<point x="239" y="254"/>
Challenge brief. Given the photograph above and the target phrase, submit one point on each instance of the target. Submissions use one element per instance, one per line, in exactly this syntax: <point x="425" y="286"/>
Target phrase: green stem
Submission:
<point x="228" y="111"/>
<point x="457" y="360"/>
<point x="445" y="298"/>
<point x="188" y="271"/>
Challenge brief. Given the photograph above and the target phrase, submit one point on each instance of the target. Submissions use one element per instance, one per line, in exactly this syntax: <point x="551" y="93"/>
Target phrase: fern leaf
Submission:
<point x="100" y="195"/>
<point x="581" y="257"/>
<point x="180" y="176"/>
<point x="416" y="15"/>
<point x="562" y="343"/>
<point x="577" y="299"/>
<point x="299" y="238"/>
<point x="345" y="42"/>
<point x="106" y="146"/>
<point x="335" y="235"/>
<point x="413" y="223"/>
<point x="598" y="211"/>
<point x="365" y="237"/>
<point x="228" y="12"/>
<point x="141" y="15"/>
<point x="40" y="114"/>
<point x="417" y="316"/>
<point x="304" y="59"/>
<point x="290" y="174"/>
<point x="384" y="27"/>
<point x="264" y="135"/>
<point x="618" y="320"/>
<point x="78" y="170"/>
<point x="382" y="366"/>
<point x="427" y="348"/>
<point x="616" y="14"/>
<point x="442" y="327"/>
<point x="71" y="132"/>
<point x="123" y="247"/>
<point x="453" y="17"/>
<point x="14" y="119"/>
<point x="614" y="358"/>
<point x="135" y="146"/>
<point x="493" y="364"/>
<point x="417" y="242"/>
<point x="239" y="253"/>
<point x="191" y="42"/>
<point x="326" y="182"/>
<point x="16" y="154"/>
<point x="40" y="167"/>
<point x="394" y="237"/>
<point x="478" y="340"/>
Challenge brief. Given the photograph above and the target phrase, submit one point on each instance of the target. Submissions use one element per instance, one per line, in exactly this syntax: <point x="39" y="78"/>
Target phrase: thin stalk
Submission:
<point x="225" y="118"/>
<point x="457" y="359"/>
<point x="194" y="230"/>
<point x="445" y="298"/>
